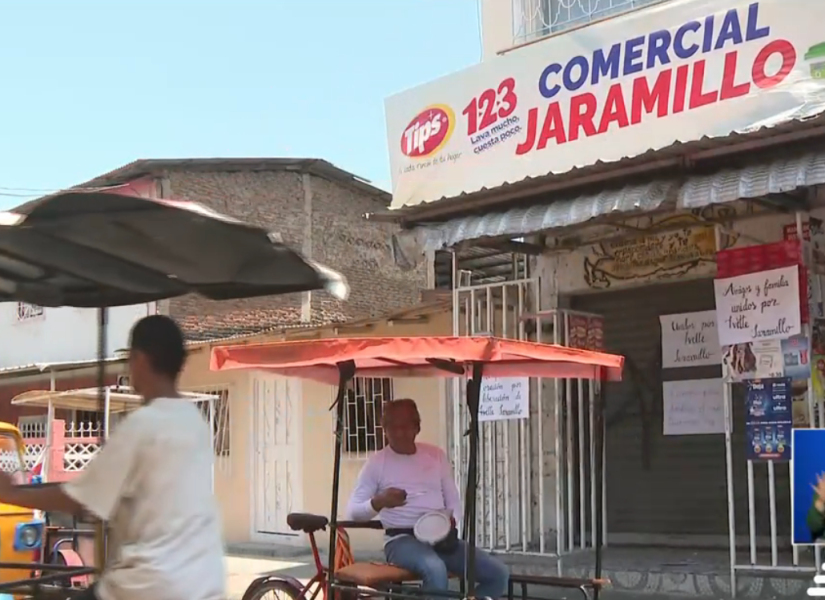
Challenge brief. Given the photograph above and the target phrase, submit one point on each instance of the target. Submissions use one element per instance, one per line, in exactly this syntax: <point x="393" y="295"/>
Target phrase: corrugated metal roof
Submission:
<point x="754" y="181"/>
<point x="533" y="219"/>
<point x="43" y="367"/>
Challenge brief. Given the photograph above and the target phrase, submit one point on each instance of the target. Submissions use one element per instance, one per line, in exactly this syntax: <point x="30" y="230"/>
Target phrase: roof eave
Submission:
<point x="676" y="156"/>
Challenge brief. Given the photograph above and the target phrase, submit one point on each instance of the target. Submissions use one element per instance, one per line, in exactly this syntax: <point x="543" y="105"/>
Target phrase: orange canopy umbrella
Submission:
<point x="418" y="357"/>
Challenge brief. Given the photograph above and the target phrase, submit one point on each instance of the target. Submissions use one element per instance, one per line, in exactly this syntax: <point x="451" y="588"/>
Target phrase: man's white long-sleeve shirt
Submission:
<point x="426" y="476"/>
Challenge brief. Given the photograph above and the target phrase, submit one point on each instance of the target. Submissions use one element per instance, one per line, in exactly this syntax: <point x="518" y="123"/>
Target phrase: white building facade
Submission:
<point x="38" y="335"/>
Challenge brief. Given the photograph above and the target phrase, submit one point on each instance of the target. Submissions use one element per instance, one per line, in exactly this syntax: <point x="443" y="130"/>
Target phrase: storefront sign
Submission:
<point x="689" y="340"/>
<point x="769" y="419"/>
<point x="663" y="255"/>
<point x="677" y="73"/>
<point x="504" y="398"/>
<point x="693" y="407"/>
<point x="767" y="359"/>
<point x="758" y="306"/>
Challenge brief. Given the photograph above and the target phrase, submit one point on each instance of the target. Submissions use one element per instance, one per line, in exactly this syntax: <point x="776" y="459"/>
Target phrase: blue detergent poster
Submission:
<point x="769" y="419"/>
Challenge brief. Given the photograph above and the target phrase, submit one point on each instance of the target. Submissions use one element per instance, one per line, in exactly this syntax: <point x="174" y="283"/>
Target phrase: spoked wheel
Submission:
<point x="272" y="589"/>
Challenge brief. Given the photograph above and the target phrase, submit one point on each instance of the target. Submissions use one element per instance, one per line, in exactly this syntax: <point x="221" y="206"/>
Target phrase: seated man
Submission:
<point x="405" y="481"/>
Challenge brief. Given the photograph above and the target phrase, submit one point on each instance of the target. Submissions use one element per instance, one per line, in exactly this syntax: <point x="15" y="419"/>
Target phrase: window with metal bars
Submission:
<point x="365" y="399"/>
<point x="220" y="427"/>
<point x="537" y="18"/>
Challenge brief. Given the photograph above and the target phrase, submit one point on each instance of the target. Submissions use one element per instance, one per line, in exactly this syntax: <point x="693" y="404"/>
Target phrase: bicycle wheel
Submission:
<point x="272" y="589"/>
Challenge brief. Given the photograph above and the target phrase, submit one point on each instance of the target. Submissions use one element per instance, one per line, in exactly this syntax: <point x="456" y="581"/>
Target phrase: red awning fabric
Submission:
<point x="414" y="357"/>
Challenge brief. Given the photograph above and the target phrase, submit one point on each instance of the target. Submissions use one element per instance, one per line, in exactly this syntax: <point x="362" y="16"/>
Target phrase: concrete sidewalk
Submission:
<point x="242" y="570"/>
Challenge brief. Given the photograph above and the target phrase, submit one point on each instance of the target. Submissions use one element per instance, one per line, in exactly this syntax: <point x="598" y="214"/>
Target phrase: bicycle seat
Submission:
<point x="306" y="522"/>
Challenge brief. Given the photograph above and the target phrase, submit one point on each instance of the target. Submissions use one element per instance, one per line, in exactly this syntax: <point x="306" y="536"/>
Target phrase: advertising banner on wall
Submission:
<point x="769" y="419"/>
<point x="677" y="73"/>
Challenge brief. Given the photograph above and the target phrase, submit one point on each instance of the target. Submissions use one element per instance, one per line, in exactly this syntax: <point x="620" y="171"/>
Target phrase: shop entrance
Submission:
<point x="670" y="489"/>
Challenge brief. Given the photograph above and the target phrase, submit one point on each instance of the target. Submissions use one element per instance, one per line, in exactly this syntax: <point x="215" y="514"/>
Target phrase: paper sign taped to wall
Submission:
<point x="693" y="407"/>
<point x="504" y="398"/>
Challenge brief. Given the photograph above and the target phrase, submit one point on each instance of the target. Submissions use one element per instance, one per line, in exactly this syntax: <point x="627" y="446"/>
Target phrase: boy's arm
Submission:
<point x="49" y="498"/>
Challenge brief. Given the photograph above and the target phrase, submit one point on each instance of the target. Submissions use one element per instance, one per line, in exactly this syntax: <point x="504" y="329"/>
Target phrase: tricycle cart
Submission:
<point x="99" y="250"/>
<point x="336" y="361"/>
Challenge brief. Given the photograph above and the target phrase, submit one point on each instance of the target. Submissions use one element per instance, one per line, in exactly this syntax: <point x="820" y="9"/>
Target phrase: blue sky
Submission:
<point x="92" y="85"/>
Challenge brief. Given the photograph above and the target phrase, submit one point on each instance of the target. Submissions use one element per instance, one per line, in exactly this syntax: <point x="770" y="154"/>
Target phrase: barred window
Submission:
<point x="365" y="398"/>
<point x="220" y="427"/>
<point x="533" y="19"/>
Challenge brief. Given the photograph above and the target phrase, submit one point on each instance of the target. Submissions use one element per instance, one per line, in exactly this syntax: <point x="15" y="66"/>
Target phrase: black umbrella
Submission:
<point x="103" y="249"/>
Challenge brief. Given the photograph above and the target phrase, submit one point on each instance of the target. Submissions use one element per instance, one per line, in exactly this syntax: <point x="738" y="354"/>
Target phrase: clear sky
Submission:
<point x="90" y="85"/>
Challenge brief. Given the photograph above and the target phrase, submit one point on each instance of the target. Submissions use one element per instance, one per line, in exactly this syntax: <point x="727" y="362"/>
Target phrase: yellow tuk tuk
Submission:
<point x="21" y="534"/>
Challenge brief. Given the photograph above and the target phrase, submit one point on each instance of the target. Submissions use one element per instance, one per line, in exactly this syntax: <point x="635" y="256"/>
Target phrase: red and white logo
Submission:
<point x="428" y="132"/>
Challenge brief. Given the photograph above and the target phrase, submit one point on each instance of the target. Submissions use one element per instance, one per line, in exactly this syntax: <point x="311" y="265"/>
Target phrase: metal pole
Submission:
<point x="751" y="512"/>
<point x="558" y="417"/>
<point x="473" y="400"/>
<point x="102" y="323"/>
<point x="599" y="421"/>
<point x="729" y="462"/>
<point x="346" y="372"/>
<point x="212" y="436"/>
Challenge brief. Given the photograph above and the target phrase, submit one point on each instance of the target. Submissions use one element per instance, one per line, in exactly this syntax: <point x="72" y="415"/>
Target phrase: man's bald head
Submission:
<point x="402" y="423"/>
<point x="403" y="409"/>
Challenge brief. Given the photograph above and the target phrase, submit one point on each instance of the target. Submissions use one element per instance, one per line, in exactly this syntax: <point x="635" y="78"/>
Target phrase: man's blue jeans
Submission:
<point x="492" y="576"/>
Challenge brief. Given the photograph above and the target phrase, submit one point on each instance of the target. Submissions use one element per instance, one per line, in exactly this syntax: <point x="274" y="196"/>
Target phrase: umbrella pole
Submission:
<point x="102" y="399"/>
<point x="599" y="466"/>
<point x="473" y="399"/>
<point x="346" y="372"/>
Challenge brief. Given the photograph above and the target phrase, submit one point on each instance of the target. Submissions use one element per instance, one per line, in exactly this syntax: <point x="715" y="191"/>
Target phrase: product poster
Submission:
<point x="769" y="419"/>
<point x="790" y="357"/>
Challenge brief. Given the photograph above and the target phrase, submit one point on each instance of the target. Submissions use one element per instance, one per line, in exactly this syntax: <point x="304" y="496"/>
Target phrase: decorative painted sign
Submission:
<point x="690" y="340"/>
<point x="758" y="306"/>
<point x="769" y="419"/>
<point x="670" y="254"/>
<point x="504" y="398"/>
<point x="693" y="407"/>
<point x="679" y="72"/>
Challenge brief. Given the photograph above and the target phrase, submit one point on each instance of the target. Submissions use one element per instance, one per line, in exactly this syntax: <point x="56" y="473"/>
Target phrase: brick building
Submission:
<point x="314" y="206"/>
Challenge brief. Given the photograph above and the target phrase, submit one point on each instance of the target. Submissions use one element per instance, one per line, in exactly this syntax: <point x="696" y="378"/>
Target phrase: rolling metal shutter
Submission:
<point x="669" y="485"/>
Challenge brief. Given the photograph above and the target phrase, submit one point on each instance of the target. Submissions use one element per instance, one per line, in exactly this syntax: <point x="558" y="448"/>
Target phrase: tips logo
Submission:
<point x="428" y="132"/>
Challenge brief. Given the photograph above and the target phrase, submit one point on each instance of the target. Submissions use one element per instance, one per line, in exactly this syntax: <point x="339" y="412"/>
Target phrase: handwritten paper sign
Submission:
<point x="504" y="398"/>
<point x="689" y="340"/>
<point x="758" y="306"/>
<point x="693" y="407"/>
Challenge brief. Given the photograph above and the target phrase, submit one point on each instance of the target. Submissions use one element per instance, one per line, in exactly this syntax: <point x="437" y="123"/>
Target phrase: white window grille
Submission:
<point x="33" y="426"/>
<point x="365" y="399"/>
<point x="221" y="426"/>
<point x="534" y="19"/>
<point x="10" y="459"/>
<point x="27" y="312"/>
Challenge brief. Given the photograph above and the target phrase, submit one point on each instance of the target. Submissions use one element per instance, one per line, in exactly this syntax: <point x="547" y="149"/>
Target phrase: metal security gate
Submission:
<point x="536" y="490"/>
<point x="662" y="490"/>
